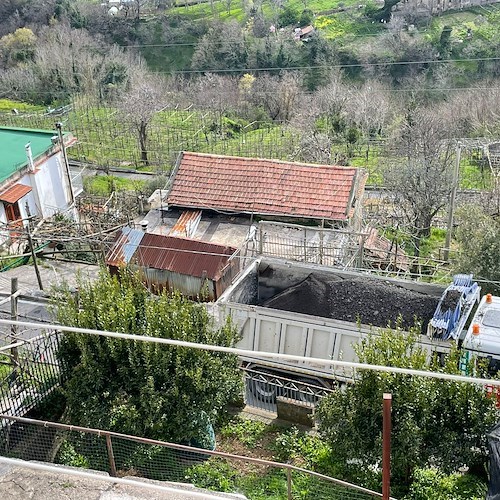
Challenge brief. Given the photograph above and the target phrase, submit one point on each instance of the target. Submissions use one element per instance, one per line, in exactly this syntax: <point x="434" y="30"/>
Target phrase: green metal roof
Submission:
<point x="12" y="152"/>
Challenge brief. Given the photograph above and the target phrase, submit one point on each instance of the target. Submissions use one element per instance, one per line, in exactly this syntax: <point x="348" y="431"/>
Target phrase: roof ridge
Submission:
<point x="272" y="160"/>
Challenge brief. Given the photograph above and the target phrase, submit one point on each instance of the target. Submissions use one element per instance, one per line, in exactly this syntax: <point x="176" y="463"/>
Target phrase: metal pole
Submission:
<point x="13" y="314"/>
<point x="386" y="447"/>
<point x="453" y="195"/>
<point x="111" y="456"/>
<point x="37" y="271"/>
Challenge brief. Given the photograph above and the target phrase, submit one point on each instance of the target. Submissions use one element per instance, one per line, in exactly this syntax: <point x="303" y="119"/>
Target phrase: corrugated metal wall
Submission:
<point x="189" y="286"/>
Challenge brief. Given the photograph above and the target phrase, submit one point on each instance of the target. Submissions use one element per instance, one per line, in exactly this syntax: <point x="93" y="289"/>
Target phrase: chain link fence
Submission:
<point x="122" y="455"/>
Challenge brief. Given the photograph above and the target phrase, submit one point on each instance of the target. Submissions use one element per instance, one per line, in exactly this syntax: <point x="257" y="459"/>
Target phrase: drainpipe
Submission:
<point x="29" y="155"/>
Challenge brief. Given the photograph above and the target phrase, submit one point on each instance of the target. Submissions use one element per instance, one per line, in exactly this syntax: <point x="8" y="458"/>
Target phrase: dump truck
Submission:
<point x="322" y="312"/>
<point x="482" y="339"/>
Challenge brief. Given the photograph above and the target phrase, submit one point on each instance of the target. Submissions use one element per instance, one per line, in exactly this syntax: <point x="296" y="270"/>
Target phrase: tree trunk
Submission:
<point x="142" y="140"/>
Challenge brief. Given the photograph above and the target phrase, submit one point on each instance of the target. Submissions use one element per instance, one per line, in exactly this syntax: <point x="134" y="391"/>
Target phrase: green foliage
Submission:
<point x="288" y="16"/>
<point x="306" y="450"/>
<point x="214" y="474"/>
<point x="478" y="239"/>
<point x="306" y="17"/>
<point x="432" y="484"/>
<point x="104" y="185"/>
<point x="7" y="105"/>
<point x="67" y="455"/>
<point x="434" y="422"/>
<point x="140" y="388"/>
<point x="248" y="432"/>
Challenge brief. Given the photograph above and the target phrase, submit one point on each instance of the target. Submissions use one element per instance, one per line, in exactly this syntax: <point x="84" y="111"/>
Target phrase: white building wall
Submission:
<point x="51" y="184"/>
<point x="50" y="193"/>
<point x="4" y="234"/>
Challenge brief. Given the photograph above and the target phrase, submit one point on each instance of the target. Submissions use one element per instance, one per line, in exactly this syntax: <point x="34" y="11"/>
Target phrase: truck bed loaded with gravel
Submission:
<point x="321" y="313"/>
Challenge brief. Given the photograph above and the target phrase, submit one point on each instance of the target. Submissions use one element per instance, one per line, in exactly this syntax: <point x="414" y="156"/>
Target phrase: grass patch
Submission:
<point x="7" y="105"/>
<point x="104" y="185"/>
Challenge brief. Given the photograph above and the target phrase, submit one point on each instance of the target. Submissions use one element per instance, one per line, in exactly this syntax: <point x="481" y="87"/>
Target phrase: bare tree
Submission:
<point x="279" y="96"/>
<point x="70" y="61"/>
<point x="214" y="92"/>
<point x="146" y="97"/>
<point x="419" y="173"/>
<point x="370" y="108"/>
<point x="322" y="122"/>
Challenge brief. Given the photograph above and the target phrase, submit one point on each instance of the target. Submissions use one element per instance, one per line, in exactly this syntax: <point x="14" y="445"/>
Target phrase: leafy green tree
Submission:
<point x="140" y="388"/>
<point x="434" y="422"/>
<point x="478" y="237"/>
<point x="18" y="47"/>
<point x="432" y="484"/>
<point x="222" y="47"/>
<point x="288" y="16"/>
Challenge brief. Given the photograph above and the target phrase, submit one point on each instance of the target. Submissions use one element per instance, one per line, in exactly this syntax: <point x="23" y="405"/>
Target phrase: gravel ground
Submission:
<point x="373" y="302"/>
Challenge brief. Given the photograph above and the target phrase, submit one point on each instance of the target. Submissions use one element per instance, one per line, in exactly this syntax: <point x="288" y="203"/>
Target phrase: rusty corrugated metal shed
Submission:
<point x="183" y="256"/>
<point x="124" y="247"/>
<point x="186" y="225"/>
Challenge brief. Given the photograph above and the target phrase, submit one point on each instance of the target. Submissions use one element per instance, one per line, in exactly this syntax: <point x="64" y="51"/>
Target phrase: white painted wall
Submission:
<point x="51" y="185"/>
<point x="50" y="192"/>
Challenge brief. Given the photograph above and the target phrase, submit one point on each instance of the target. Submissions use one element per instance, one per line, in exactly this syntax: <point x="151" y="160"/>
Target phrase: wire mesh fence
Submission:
<point x="29" y="370"/>
<point x="122" y="455"/>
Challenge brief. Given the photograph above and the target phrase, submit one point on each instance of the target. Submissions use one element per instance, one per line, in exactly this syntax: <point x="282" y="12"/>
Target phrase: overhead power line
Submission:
<point x="332" y="66"/>
<point x="7" y="92"/>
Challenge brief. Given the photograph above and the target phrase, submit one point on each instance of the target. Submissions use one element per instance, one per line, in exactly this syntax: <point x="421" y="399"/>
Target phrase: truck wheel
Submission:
<point x="303" y="394"/>
<point x="263" y="391"/>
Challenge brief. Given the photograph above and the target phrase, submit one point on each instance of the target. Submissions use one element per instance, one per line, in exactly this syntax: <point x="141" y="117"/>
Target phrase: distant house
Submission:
<point x="303" y="33"/>
<point x="270" y="189"/>
<point x="196" y="269"/>
<point x="34" y="177"/>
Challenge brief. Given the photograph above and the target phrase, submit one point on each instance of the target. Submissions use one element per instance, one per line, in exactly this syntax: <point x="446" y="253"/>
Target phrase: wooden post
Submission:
<point x="386" y="447"/>
<point x="111" y="456"/>
<point x="449" y="226"/>
<point x="13" y="329"/>
<point x="289" y="483"/>
<point x="33" y="255"/>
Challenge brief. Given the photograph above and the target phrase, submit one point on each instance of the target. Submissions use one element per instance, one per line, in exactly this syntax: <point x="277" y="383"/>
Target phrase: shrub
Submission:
<point x="432" y="484"/>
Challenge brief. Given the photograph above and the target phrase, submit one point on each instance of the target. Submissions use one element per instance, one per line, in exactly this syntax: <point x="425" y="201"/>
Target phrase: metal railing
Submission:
<point x="262" y="390"/>
<point x="314" y="245"/>
<point x="120" y="454"/>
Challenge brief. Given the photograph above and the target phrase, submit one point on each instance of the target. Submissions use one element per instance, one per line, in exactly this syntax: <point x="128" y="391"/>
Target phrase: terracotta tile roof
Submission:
<point x="14" y="193"/>
<point x="263" y="187"/>
<point x="183" y="256"/>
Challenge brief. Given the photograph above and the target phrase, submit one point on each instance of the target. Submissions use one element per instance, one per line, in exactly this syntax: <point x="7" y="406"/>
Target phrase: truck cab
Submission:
<point x="483" y="335"/>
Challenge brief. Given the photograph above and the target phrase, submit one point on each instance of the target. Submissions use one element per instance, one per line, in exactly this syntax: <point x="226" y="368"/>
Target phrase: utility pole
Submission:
<point x="33" y="255"/>
<point x="13" y="329"/>
<point x="386" y="447"/>
<point x="453" y="195"/>
<point x="66" y="163"/>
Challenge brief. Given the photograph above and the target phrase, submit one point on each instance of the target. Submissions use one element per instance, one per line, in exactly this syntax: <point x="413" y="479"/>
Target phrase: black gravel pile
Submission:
<point x="451" y="299"/>
<point x="373" y="302"/>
